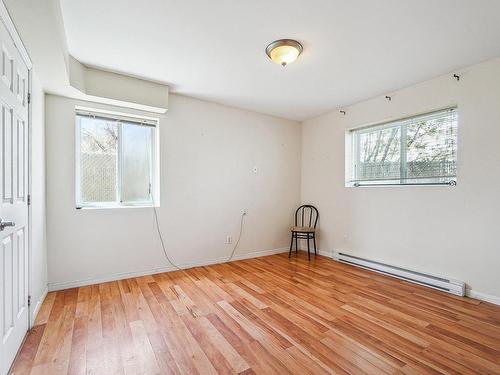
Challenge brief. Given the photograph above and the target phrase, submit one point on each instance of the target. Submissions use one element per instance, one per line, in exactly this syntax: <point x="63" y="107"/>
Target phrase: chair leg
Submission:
<point x="296" y="244"/>
<point x="308" y="249"/>
<point x="291" y="244"/>
<point x="314" y="242"/>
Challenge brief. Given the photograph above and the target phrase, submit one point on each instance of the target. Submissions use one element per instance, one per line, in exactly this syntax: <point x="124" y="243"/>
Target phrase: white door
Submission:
<point x="14" y="314"/>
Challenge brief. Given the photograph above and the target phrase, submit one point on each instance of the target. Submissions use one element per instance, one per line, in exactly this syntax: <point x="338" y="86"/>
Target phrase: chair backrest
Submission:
<point x="306" y="216"/>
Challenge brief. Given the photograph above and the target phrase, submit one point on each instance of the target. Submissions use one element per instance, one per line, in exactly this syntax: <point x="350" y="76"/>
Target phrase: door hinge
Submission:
<point x="29" y="199"/>
<point x="29" y="300"/>
<point x="29" y="98"/>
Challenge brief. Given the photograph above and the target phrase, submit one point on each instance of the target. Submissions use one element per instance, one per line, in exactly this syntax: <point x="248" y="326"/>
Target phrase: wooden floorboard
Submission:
<point x="268" y="315"/>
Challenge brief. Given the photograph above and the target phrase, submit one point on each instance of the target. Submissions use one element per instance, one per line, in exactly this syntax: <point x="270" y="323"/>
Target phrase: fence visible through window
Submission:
<point x="417" y="150"/>
<point x="115" y="160"/>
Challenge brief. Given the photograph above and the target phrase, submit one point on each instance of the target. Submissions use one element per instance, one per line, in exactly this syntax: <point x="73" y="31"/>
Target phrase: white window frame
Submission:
<point x="155" y="158"/>
<point x="352" y="152"/>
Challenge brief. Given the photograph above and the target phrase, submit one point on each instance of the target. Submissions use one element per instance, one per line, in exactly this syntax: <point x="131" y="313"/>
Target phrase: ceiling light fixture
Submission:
<point x="284" y="51"/>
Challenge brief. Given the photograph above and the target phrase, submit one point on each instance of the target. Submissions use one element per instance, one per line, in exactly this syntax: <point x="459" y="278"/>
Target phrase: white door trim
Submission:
<point x="31" y="305"/>
<point x="9" y="24"/>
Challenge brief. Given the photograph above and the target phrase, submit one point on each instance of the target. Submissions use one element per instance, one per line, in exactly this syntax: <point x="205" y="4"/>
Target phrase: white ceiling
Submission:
<point x="214" y="50"/>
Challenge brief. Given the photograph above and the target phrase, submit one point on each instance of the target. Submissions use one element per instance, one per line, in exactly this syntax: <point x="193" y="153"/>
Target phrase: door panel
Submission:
<point x="6" y="153"/>
<point x="7" y="68"/>
<point x="14" y="262"/>
<point x="8" y="286"/>
<point x="21" y="159"/>
<point x="22" y="276"/>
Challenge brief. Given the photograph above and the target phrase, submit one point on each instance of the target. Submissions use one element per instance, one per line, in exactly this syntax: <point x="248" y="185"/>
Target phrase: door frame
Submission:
<point x="11" y="28"/>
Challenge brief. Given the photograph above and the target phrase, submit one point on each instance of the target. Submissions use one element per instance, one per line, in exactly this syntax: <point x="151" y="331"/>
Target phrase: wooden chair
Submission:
<point x="306" y="219"/>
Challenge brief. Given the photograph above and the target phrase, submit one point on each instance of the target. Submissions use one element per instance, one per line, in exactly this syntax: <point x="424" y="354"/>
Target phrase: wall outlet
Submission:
<point x="244" y="211"/>
<point x="229" y="240"/>
<point x="255" y="170"/>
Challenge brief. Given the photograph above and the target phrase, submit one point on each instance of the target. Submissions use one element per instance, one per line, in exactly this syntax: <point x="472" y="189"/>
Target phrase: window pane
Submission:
<point x="431" y="145"/>
<point x="379" y="154"/>
<point x="136" y="162"/>
<point x="98" y="152"/>
<point x="417" y="150"/>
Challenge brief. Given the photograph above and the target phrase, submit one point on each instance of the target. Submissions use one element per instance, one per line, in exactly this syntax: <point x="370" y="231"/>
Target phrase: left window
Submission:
<point x="115" y="160"/>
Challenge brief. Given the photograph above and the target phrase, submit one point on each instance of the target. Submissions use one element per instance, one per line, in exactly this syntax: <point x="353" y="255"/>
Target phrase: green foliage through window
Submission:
<point x="115" y="162"/>
<point x="417" y="150"/>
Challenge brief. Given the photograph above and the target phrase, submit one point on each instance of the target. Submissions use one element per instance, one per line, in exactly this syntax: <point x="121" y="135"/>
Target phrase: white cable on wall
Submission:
<point x="160" y="236"/>
<point x="157" y="224"/>
<point x="239" y="238"/>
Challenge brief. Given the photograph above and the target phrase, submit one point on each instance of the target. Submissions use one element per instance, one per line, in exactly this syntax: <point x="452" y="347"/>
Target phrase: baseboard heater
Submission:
<point x="446" y="285"/>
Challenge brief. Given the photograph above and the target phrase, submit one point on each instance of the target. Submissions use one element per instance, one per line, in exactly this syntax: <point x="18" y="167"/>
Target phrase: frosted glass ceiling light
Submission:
<point x="284" y="51"/>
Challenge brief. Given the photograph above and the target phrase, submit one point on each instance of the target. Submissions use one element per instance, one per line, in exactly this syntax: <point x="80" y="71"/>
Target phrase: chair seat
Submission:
<point x="303" y="229"/>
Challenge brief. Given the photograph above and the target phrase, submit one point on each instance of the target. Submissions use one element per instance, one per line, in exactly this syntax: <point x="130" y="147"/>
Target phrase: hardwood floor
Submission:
<point x="265" y="315"/>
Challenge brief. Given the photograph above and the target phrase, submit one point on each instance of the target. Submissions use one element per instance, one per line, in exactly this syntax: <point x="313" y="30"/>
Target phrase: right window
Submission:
<point x="418" y="150"/>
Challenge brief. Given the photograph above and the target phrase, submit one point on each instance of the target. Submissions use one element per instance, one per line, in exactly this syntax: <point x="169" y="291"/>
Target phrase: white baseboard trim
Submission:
<point x="482" y="296"/>
<point x="38" y="306"/>
<point x="328" y="254"/>
<point x="127" y="275"/>
<point x="470" y="293"/>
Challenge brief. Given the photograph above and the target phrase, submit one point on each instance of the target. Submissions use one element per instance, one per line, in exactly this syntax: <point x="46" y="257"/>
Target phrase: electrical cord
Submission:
<point x="161" y="237"/>
<point x="157" y="224"/>
<point x="239" y="238"/>
<point x="162" y="241"/>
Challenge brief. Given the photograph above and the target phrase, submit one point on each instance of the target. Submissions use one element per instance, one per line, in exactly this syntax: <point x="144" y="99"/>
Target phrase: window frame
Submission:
<point x="352" y="154"/>
<point x="119" y="117"/>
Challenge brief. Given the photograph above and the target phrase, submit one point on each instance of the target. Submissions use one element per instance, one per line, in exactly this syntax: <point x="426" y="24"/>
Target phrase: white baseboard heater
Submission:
<point x="446" y="285"/>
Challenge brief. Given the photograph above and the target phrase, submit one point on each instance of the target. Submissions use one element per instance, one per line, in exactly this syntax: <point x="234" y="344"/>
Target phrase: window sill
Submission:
<point x="112" y="207"/>
<point x="438" y="184"/>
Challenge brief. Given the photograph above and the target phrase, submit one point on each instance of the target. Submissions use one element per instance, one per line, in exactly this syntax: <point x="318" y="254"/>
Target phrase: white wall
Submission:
<point x="38" y="234"/>
<point x="448" y="231"/>
<point x="208" y="152"/>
